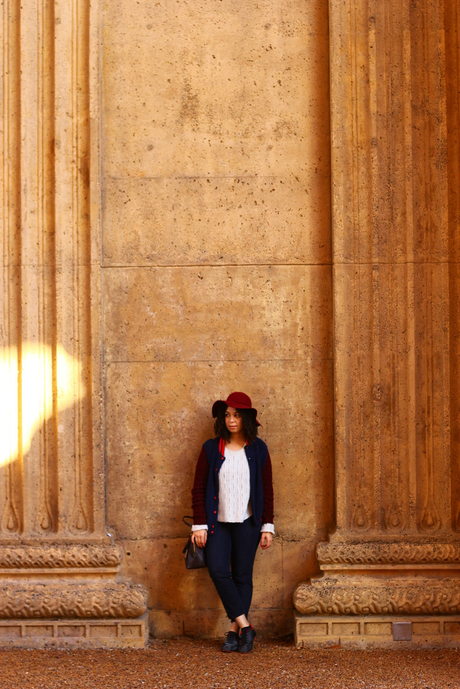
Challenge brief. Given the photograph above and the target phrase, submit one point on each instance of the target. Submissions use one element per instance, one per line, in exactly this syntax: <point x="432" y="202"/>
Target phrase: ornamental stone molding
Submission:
<point x="75" y="601"/>
<point x="390" y="597"/>
<point x="60" y="556"/>
<point x="373" y="553"/>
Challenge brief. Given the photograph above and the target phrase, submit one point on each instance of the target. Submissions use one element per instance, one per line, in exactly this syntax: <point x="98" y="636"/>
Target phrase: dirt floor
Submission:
<point x="192" y="663"/>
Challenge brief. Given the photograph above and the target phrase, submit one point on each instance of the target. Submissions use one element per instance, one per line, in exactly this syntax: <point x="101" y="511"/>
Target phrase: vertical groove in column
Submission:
<point x="392" y="512"/>
<point x="46" y="518"/>
<point x="353" y="281"/>
<point x="431" y="293"/>
<point x="74" y="263"/>
<point x="362" y="513"/>
<point x="82" y="513"/>
<point x="430" y="518"/>
<point x="11" y="516"/>
<point x="452" y="24"/>
<point x="407" y="211"/>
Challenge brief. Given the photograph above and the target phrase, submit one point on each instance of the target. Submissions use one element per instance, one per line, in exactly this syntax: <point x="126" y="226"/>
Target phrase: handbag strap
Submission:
<point x="190" y="524"/>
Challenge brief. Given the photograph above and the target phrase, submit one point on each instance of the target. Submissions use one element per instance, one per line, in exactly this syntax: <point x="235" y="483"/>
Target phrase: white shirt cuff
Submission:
<point x="199" y="527"/>
<point x="268" y="528"/>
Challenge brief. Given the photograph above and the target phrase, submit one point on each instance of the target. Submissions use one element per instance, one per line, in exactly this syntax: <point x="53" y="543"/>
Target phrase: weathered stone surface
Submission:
<point x="378" y="631"/>
<point x="228" y="89"/>
<point x="400" y="553"/>
<point x="59" y="557"/>
<point x="390" y="596"/>
<point x="188" y="598"/>
<point x="217" y="220"/>
<point x="395" y="237"/>
<point x="52" y="518"/>
<point x="205" y="213"/>
<point x="217" y="313"/>
<point x="71" y="633"/>
<point x="178" y="397"/>
<point x="87" y="600"/>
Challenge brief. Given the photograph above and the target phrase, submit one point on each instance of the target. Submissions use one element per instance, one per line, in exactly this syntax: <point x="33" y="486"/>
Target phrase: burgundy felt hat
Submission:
<point x="237" y="400"/>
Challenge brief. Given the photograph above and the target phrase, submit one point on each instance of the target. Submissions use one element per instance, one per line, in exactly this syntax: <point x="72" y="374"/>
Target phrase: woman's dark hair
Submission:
<point x="249" y="424"/>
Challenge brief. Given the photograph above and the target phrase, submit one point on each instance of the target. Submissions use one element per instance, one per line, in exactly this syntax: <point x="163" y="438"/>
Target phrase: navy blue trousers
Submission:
<point x="230" y="554"/>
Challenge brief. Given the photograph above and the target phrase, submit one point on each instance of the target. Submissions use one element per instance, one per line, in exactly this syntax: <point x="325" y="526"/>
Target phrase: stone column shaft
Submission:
<point x="394" y="109"/>
<point x="55" y="483"/>
<point x="391" y="271"/>
<point x="52" y="489"/>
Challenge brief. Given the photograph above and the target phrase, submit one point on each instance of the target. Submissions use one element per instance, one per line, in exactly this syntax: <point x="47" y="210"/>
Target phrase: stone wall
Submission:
<point x="169" y="236"/>
<point x="216" y="255"/>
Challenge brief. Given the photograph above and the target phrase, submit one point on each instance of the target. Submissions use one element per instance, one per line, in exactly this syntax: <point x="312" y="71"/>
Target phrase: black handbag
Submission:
<point x="195" y="557"/>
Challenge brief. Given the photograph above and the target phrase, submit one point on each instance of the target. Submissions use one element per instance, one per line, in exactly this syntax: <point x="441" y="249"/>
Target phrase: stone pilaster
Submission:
<point x="394" y="99"/>
<point x="56" y="561"/>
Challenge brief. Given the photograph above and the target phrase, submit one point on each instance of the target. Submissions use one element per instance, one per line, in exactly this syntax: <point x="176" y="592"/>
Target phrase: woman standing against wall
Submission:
<point x="233" y="510"/>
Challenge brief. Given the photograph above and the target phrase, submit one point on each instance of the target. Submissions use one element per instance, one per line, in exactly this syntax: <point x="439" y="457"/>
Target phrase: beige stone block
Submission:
<point x="452" y="627"/>
<point x="228" y="88"/>
<point x="358" y="632"/>
<point x="213" y="624"/>
<point x="39" y="630"/>
<point x="166" y="623"/>
<point x="345" y="628"/>
<point x="313" y="629"/>
<point x="75" y="630"/>
<point x="378" y="628"/>
<point x="204" y="313"/>
<point x="426" y="628"/>
<point x="299" y="563"/>
<point x="205" y="623"/>
<point x="10" y="632"/>
<point x="131" y="630"/>
<point x="272" y="624"/>
<point x="268" y="577"/>
<point x="63" y="634"/>
<point x="159" y="565"/>
<point x="302" y="476"/>
<point x="103" y="631"/>
<point x="237" y="220"/>
<point x="158" y="415"/>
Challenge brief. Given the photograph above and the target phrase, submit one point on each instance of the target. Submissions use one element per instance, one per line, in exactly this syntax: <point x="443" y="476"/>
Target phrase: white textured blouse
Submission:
<point x="234" y="491"/>
<point x="234" y="487"/>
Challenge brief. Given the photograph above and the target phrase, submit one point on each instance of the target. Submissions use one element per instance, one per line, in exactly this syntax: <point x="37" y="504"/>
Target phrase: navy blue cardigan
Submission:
<point x="205" y="492"/>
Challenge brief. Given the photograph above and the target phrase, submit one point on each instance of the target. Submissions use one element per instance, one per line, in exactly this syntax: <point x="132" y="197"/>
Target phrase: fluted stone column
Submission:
<point x="58" y="567"/>
<point x="391" y="569"/>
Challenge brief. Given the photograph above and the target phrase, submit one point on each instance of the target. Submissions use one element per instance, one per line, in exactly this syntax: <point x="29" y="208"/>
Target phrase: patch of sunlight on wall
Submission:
<point x="36" y="402"/>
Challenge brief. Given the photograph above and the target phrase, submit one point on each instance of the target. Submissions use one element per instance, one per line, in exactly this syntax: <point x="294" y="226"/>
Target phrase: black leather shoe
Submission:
<point x="248" y="635"/>
<point x="232" y="642"/>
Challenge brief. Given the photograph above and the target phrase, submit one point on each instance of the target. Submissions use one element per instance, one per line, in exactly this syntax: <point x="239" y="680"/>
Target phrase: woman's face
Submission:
<point x="233" y="420"/>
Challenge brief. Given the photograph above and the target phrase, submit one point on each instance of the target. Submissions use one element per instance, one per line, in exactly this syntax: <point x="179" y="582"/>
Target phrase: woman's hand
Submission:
<point x="266" y="540"/>
<point x="200" y="537"/>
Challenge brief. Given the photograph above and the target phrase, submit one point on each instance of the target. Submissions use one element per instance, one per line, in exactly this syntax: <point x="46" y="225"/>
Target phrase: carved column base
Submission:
<point x="69" y="600"/>
<point x="69" y="594"/>
<point x="377" y="631"/>
<point x="72" y="633"/>
<point x="361" y="595"/>
<point x="367" y="587"/>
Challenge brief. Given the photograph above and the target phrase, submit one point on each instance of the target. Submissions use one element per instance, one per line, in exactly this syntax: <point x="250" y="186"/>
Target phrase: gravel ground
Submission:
<point x="187" y="663"/>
